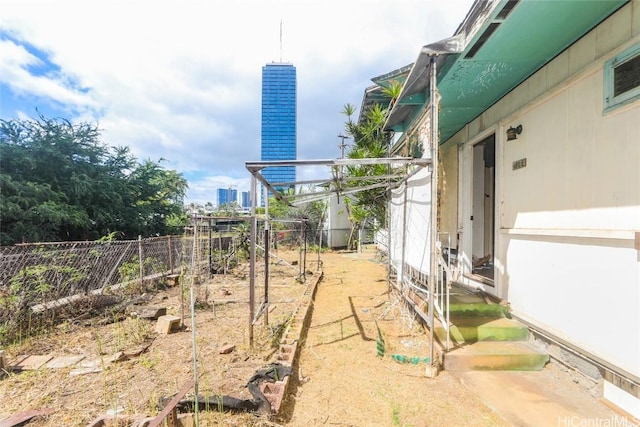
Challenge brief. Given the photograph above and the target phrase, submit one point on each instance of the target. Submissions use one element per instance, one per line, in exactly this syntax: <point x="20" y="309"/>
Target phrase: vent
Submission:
<point x="482" y="40"/>
<point x="626" y="76"/>
<point x="506" y="10"/>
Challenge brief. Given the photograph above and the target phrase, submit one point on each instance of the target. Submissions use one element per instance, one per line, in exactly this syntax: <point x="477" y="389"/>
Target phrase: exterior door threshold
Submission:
<point x="481" y="279"/>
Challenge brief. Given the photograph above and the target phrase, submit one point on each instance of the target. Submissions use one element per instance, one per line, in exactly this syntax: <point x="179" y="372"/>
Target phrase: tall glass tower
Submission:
<point x="279" y="121"/>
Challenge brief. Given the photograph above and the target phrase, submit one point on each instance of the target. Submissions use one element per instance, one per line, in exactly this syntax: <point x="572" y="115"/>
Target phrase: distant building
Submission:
<point x="227" y="196"/>
<point x="279" y="121"/>
<point x="245" y="200"/>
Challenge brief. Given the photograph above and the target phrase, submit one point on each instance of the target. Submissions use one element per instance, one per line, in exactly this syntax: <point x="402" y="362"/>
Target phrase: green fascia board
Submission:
<point x="533" y="34"/>
<point x="415" y="99"/>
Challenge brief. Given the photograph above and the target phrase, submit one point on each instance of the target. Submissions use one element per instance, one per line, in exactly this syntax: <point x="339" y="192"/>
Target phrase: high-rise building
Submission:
<point x="279" y="121"/>
<point x="227" y="196"/>
<point x="246" y="200"/>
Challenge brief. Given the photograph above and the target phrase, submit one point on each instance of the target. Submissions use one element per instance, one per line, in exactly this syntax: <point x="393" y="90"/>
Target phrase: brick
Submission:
<point x="167" y="324"/>
<point x="173" y="279"/>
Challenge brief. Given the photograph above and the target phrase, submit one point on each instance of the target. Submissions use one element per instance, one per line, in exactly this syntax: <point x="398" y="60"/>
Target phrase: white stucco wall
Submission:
<point x="338" y="226"/>
<point x="568" y="219"/>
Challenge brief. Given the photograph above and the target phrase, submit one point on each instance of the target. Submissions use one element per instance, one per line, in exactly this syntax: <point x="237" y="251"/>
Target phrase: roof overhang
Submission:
<point x="374" y="94"/>
<point x="506" y="42"/>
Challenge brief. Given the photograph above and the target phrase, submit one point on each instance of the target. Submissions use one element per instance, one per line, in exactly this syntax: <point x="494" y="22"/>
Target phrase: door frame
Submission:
<point x="465" y="212"/>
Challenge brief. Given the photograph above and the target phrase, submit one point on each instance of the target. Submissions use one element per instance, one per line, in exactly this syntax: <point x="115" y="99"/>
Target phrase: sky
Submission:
<point x="181" y="80"/>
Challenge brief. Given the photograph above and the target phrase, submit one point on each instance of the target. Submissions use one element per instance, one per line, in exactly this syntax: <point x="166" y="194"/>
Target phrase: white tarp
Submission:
<point x="410" y="222"/>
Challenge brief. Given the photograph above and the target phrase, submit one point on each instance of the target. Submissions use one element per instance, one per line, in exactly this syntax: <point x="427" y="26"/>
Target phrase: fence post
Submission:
<point x="140" y="259"/>
<point x="210" y="250"/>
<point x="267" y="243"/>
<point x="170" y="256"/>
<point x="304" y="260"/>
<point x="24" y="262"/>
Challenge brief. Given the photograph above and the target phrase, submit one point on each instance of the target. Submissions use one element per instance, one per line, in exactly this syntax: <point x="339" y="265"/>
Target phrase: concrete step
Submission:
<point x="497" y="356"/>
<point x="476" y="309"/>
<point x="472" y="329"/>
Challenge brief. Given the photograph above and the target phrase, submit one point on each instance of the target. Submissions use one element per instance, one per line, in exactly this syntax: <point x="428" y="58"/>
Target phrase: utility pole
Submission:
<point x="342" y="144"/>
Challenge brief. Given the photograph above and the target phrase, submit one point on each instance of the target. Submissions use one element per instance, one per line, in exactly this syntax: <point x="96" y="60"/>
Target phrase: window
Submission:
<point x="622" y="79"/>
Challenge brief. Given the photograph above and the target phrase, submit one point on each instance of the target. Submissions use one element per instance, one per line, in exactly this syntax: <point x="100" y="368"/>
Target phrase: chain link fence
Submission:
<point x="42" y="284"/>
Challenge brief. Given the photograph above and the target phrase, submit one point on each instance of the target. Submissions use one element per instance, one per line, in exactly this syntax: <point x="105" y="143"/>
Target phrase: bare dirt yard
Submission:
<point x="341" y="380"/>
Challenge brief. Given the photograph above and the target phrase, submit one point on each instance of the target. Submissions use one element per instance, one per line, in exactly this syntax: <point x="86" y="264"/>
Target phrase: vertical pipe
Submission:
<point x="140" y="265"/>
<point x="193" y="324"/>
<point x="252" y="259"/>
<point x="300" y="253"/>
<point x="433" y="104"/>
<point x="320" y="227"/>
<point x="170" y="256"/>
<point x="304" y="261"/>
<point x="403" y="243"/>
<point x="267" y="243"/>
<point x="222" y="263"/>
<point x="210" y="250"/>
<point x="195" y="355"/>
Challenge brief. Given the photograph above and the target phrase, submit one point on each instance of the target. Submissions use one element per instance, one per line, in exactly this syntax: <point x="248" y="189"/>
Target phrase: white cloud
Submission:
<point x="181" y="80"/>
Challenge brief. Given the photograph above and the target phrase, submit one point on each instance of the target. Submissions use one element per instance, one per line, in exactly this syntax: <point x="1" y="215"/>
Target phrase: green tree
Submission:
<point x="58" y="181"/>
<point x="369" y="207"/>
<point x="158" y="195"/>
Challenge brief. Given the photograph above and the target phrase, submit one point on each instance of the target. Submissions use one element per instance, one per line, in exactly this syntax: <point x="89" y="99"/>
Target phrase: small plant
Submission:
<point x="395" y="417"/>
<point x="277" y="331"/>
<point x="147" y="362"/>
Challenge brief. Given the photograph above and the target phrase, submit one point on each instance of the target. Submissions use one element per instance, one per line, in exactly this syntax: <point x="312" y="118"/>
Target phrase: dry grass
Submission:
<point x="343" y="381"/>
<point x="134" y="386"/>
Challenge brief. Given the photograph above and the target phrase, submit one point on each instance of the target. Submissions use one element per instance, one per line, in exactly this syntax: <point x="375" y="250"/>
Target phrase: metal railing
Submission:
<point x="415" y="283"/>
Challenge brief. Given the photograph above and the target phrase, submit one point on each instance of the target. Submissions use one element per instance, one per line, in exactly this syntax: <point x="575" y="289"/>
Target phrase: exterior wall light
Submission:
<point x="513" y="132"/>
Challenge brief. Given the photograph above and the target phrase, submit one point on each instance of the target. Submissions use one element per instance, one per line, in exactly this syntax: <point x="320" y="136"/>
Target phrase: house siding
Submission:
<point x="566" y="224"/>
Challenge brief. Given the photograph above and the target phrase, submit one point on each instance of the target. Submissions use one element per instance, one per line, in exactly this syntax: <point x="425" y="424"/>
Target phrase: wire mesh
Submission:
<point x="37" y="280"/>
<point x="44" y="283"/>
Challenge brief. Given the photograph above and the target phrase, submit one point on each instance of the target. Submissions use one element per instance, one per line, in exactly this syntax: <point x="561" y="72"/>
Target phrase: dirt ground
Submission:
<point x="346" y="382"/>
<point x="342" y="380"/>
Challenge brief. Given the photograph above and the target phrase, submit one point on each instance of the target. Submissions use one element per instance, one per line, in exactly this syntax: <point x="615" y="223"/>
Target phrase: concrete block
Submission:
<point x="63" y="362"/>
<point x="84" y="371"/>
<point x="274" y="392"/>
<point x="32" y="363"/>
<point x="227" y="349"/>
<point x="431" y="371"/>
<point x="286" y="354"/>
<point x="173" y="279"/>
<point x="186" y="420"/>
<point x="167" y="324"/>
<point x="146" y="312"/>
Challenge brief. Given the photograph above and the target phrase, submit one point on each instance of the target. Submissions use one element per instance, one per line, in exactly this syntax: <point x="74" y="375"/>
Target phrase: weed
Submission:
<point x="147" y="362"/>
<point x="395" y="417"/>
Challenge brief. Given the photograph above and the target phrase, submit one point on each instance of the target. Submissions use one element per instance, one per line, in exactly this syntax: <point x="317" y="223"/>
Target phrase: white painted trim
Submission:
<point x="622" y="399"/>
<point x="465" y="203"/>
<point x="588" y="234"/>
